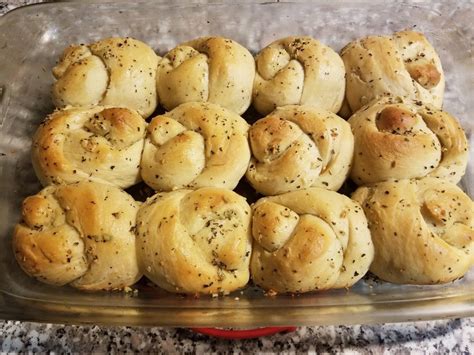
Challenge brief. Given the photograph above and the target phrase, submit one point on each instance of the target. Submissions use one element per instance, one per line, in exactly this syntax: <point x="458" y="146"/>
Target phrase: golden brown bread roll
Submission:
<point x="195" y="242"/>
<point x="423" y="230"/>
<point x="80" y="234"/>
<point x="404" y="64"/>
<point x="99" y="144"/>
<point x="396" y="138"/>
<point x="207" y="69"/>
<point x="308" y="240"/>
<point x="296" y="147"/>
<point x="298" y="71"/>
<point x="112" y="71"/>
<point x="197" y="144"/>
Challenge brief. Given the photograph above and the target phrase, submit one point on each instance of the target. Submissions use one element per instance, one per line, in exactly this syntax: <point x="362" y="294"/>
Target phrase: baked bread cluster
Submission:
<point x="97" y="143"/>
<point x="298" y="71"/>
<point x="396" y="138"/>
<point x="81" y="234"/>
<point x="404" y="64"/>
<point x="195" y="241"/>
<point x="423" y="230"/>
<point x="407" y="222"/>
<point x="195" y="145"/>
<point x="296" y="147"/>
<point x="112" y="71"/>
<point x="209" y="69"/>
<point x="307" y="240"/>
<point x="408" y="154"/>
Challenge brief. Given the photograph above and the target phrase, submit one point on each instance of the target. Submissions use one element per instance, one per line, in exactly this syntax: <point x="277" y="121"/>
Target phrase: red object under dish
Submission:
<point x="242" y="334"/>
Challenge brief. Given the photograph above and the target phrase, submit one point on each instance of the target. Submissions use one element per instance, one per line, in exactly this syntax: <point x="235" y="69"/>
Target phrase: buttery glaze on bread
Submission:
<point x="195" y="145"/>
<point x="404" y="64"/>
<point x="80" y="234"/>
<point x="296" y="147"/>
<point x="397" y="138"/>
<point x="207" y="69"/>
<point x="112" y="71"/>
<point x="298" y="71"/>
<point x="99" y="144"/>
<point x="423" y="230"/>
<point x="309" y="240"/>
<point x="195" y="242"/>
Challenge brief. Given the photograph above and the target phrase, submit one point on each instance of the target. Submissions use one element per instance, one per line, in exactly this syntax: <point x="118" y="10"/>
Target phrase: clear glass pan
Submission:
<point x="31" y="39"/>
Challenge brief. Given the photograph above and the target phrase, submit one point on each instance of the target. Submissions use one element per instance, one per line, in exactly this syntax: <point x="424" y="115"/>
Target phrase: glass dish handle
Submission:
<point x="3" y="103"/>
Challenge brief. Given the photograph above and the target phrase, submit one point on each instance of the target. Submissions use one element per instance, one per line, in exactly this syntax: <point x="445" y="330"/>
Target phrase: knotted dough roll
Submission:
<point x="80" y="234"/>
<point x="207" y="69"/>
<point x="196" y="145"/>
<point x="404" y="64"/>
<point x="298" y="71"/>
<point x="308" y="240"/>
<point x="195" y="242"/>
<point x="423" y="230"/>
<point x="98" y="143"/>
<point x="396" y="138"/>
<point x="296" y="147"/>
<point x="112" y="71"/>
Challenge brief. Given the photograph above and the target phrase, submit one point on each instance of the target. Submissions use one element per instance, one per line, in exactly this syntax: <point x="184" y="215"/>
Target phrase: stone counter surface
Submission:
<point x="450" y="336"/>
<point x="442" y="336"/>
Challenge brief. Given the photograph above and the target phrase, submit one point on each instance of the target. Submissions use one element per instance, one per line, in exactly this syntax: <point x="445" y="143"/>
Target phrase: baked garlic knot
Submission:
<point x="396" y="138"/>
<point x="296" y="147"/>
<point x="195" y="242"/>
<point x="112" y="71"/>
<point x="208" y="69"/>
<point x="309" y="240"/>
<point x="195" y="145"/>
<point x="80" y="234"/>
<point x="404" y="64"/>
<point x="298" y="71"/>
<point x="99" y="144"/>
<point x="423" y="230"/>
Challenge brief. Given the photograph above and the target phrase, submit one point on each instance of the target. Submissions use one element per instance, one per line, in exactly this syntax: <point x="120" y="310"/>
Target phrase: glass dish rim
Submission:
<point x="463" y="303"/>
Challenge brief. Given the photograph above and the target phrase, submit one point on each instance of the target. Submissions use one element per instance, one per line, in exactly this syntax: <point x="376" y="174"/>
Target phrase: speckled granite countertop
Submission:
<point x="444" y="336"/>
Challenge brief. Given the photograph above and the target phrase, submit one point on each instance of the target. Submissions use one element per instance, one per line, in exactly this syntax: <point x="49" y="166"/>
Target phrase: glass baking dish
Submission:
<point x="32" y="38"/>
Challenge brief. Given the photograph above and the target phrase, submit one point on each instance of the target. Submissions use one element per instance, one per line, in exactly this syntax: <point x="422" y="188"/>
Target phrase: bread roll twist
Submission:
<point x="396" y="138"/>
<point x="404" y="64"/>
<point x="80" y="234"/>
<point x="308" y="240"/>
<point x="195" y="242"/>
<point x="99" y="144"/>
<point x="195" y="145"/>
<point x="296" y="147"/>
<point x="423" y="230"/>
<point x="298" y="71"/>
<point x="207" y="69"/>
<point x="112" y="71"/>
